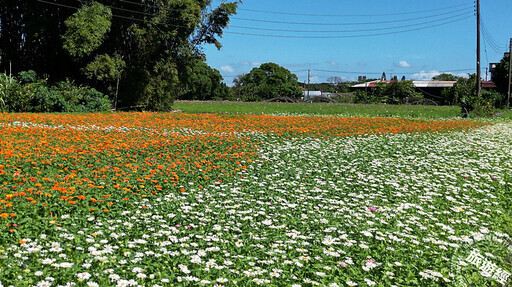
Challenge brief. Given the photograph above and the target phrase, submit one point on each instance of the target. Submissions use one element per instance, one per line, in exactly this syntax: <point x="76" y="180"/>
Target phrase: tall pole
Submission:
<point x="509" y="72"/>
<point x="478" y="80"/>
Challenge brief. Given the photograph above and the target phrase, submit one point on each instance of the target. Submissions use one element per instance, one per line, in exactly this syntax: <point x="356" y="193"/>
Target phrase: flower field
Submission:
<point x="144" y="199"/>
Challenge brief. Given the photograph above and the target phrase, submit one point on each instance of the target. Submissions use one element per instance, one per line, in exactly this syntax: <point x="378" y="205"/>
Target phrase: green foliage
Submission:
<point x="463" y="93"/>
<point x="32" y="94"/>
<point x="163" y="87"/>
<point x="105" y="68"/>
<point x="267" y="81"/>
<point x="205" y="83"/>
<point x="393" y="93"/>
<point x="87" y="29"/>
<point x="500" y="75"/>
<point x="446" y="77"/>
<point x="8" y="85"/>
<point x="82" y="99"/>
<point x="216" y="21"/>
<point x="89" y="46"/>
<point x="29" y="76"/>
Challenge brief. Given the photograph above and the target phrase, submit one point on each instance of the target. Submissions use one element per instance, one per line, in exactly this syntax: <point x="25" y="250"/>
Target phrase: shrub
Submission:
<point x="464" y="93"/>
<point x="28" y="93"/>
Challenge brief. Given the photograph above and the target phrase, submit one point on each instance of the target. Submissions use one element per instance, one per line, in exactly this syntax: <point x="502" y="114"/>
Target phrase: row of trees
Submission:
<point x="271" y="80"/>
<point x="138" y="52"/>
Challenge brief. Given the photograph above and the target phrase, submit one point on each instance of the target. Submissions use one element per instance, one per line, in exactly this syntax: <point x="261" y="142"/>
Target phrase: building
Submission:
<point x="306" y="95"/>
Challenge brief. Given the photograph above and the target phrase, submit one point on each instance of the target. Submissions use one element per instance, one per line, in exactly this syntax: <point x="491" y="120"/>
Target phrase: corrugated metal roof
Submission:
<point x="433" y="84"/>
<point x="311" y="93"/>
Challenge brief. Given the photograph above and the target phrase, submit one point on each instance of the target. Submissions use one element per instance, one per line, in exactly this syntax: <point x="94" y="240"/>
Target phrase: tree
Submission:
<point x="500" y="75"/>
<point x="464" y="94"/>
<point x="267" y="81"/>
<point x="107" y="70"/>
<point x="395" y="92"/>
<point x="446" y="77"/>
<point x="157" y="40"/>
<point x="205" y="83"/>
<point x="87" y="29"/>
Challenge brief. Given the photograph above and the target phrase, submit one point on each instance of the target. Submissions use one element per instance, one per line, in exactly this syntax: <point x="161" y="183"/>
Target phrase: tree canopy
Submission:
<point x="446" y="77"/>
<point x="266" y="82"/>
<point x="147" y="45"/>
<point x="205" y="83"/>
<point x="500" y="75"/>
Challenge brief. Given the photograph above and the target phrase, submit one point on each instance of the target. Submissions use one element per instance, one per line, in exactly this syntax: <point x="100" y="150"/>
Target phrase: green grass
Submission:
<point x="349" y="110"/>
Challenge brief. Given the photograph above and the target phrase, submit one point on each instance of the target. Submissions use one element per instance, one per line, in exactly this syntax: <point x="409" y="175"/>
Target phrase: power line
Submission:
<point x="345" y="15"/>
<point x="315" y="15"/>
<point x="268" y="35"/>
<point x="348" y="31"/>
<point x="351" y="23"/>
<point x="346" y="36"/>
<point x="123" y="9"/>
<point x="114" y="15"/>
<point x="346" y="72"/>
<point x="491" y="38"/>
<point x="302" y="23"/>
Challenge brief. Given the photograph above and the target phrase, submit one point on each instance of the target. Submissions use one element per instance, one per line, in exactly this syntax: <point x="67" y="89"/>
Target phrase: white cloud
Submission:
<point x="333" y="63"/>
<point x="227" y="69"/>
<point x="247" y="63"/>
<point x="363" y="64"/>
<point x="403" y="64"/>
<point x="315" y="79"/>
<point x="423" y="75"/>
<point x="462" y="75"/>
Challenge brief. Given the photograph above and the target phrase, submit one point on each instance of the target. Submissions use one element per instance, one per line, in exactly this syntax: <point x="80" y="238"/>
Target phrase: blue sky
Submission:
<point x="444" y="39"/>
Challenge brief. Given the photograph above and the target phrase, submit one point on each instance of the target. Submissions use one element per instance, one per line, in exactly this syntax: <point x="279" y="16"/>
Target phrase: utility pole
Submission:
<point x="309" y="79"/>
<point x="478" y="80"/>
<point x="509" y="72"/>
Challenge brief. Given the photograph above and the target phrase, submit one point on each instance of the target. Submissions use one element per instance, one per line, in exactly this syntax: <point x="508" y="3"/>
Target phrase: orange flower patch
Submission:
<point x="116" y="159"/>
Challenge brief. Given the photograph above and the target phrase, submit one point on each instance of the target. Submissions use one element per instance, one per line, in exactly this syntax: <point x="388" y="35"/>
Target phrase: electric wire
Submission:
<point x="347" y="31"/>
<point x="347" y="15"/>
<point x="349" y="23"/>
<point x="329" y="71"/>
<point x="490" y="40"/>
<point x="324" y="24"/>
<point x="347" y="36"/>
<point x="268" y="35"/>
<point x="318" y="15"/>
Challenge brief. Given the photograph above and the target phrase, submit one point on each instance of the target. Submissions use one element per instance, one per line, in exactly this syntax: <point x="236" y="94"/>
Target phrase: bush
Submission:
<point x="393" y="93"/>
<point x="8" y="87"/>
<point x="28" y="93"/>
<point x="82" y="99"/>
<point x="464" y="93"/>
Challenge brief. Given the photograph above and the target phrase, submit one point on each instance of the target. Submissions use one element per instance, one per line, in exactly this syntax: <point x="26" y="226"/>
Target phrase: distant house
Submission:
<point x="311" y="94"/>
<point x="430" y="89"/>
